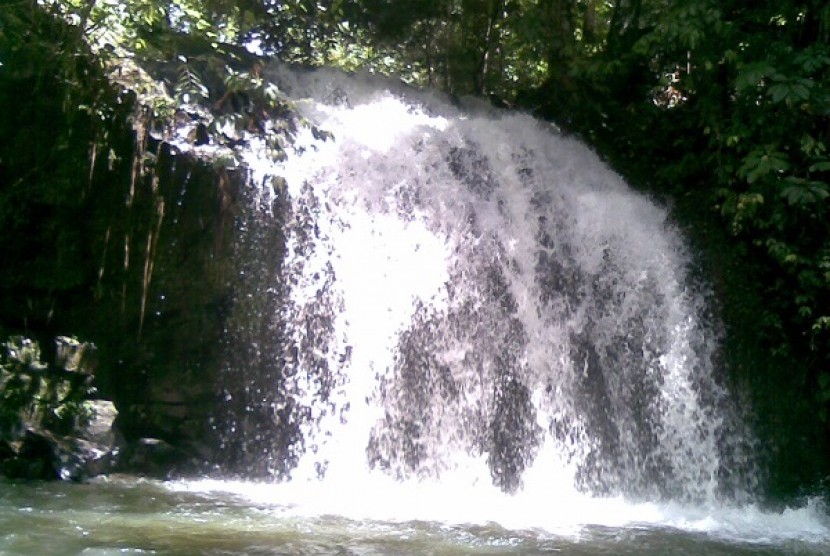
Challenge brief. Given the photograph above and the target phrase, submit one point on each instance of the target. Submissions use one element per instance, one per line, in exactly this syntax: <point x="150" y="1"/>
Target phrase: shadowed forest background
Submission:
<point x="720" y="109"/>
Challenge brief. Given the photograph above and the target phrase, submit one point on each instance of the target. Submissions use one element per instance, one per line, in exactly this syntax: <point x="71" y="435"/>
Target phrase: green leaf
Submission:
<point x="822" y="323"/>
<point x="820" y="166"/>
<point x="791" y="91"/>
<point x="812" y="147"/>
<point x="189" y="86"/>
<point x="811" y="61"/>
<point x="778" y="92"/>
<point x="751" y="75"/>
<point x="761" y="162"/>
<point x="803" y="192"/>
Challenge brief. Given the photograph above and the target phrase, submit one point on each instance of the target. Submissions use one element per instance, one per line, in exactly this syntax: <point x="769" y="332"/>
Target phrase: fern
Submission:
<point x="189" y="86"/>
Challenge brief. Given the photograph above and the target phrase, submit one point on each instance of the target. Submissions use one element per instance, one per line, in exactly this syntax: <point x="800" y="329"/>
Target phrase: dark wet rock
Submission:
<point x="153" y="457"/>
<point x="43" y="455"/>
<point x="7" y="451"/>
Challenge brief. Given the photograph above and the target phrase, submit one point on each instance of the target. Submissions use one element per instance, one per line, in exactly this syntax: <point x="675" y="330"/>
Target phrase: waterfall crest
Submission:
<point x="470" y="289"/>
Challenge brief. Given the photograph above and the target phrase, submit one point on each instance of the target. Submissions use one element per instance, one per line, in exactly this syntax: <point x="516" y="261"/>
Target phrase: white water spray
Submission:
<point x="485" y="324"/>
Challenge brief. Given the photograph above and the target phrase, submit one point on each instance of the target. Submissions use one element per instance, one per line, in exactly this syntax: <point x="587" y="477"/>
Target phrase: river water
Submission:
<point x="122" y="515"/>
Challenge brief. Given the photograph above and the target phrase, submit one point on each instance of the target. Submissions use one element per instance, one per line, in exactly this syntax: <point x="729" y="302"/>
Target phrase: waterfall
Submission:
<point x="466" y="294"/>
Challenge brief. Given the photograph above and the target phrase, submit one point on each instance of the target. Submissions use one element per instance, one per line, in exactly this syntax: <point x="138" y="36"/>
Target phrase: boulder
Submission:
<point x="43" y="455"/>
<point x="101" y="427"/>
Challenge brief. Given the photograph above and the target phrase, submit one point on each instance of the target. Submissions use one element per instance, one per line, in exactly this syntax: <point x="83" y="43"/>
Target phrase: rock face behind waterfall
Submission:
<point x="128" y="236"/>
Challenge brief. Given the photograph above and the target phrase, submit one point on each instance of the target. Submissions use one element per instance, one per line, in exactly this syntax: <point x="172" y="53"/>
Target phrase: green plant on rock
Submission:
<point x="71" y="415"/>
<point x="20" y="385"/>
<point x="35" y="394"/>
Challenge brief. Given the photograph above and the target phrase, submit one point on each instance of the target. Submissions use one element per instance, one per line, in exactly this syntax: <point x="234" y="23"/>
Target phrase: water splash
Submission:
<point x="453" y="503"/>
<point x="471" y="303"/>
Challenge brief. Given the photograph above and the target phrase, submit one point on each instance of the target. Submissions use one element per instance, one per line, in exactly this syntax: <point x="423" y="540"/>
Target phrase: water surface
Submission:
<point x="123" y="515"/>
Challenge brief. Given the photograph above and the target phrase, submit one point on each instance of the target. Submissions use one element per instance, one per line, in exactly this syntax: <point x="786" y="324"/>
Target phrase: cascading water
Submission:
<point x="471" y="294"/>
<point x="460" y="315"/>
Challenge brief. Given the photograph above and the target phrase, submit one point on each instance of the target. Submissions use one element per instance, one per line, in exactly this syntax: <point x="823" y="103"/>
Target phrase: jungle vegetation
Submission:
<point x="719" y="107"/>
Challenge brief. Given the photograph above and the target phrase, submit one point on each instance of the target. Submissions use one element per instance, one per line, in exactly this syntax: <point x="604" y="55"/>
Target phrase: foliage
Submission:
<point x="492" y="47"/>
<point x="756" y="84"/>
<point x="20" y="372"/>
<point x="35" y="394"/>
<point x="46" y="82"/>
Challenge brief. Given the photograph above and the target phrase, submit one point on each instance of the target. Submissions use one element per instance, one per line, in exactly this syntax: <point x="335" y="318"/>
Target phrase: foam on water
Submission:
<point x="455" y="502"/>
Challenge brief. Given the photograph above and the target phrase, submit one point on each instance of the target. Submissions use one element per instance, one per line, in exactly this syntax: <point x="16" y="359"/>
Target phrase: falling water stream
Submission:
<point x="470" y="298"/>
<point x="484" y="343"/>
